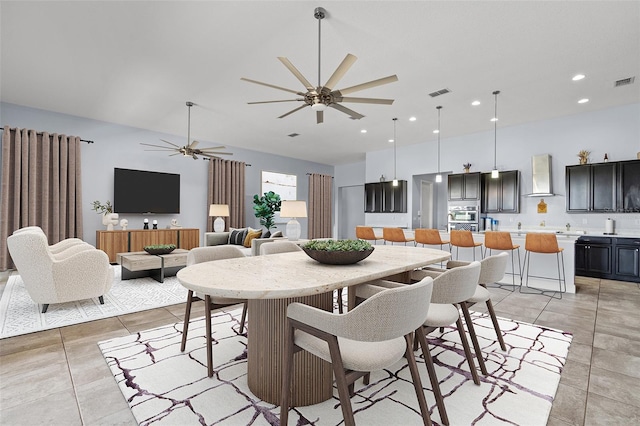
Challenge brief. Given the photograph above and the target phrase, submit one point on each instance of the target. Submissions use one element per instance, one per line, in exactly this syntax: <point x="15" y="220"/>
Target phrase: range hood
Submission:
<point x="541" y="174"/>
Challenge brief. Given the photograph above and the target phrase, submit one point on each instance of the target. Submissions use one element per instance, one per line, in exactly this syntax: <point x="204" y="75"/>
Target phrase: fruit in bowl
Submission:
<point x="338" y="252"/>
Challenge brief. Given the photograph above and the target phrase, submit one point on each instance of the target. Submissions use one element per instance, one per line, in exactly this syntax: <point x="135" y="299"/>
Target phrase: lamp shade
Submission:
<point x="219" y="210"/>
<point x="293" y="209"/>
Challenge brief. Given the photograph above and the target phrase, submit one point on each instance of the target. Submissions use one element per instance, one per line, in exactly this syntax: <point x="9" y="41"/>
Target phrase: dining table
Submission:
<point x="270" y="283"/>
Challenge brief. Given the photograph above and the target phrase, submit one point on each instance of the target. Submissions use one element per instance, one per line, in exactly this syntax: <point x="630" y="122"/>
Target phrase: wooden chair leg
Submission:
<point x="243" y="320"/>
<point x="467" y="351"/>
<point x="287" y="368"/>
<point x="187" y="317"/>
<point x="339" y="300"/>
<point x="435" y="385"/>
<point x="496" y="326"/>
<point x="341" y="382"/>
<point x="474" y="338"/>
<point x="207" y="317"/>
<point x="417" y="383"/>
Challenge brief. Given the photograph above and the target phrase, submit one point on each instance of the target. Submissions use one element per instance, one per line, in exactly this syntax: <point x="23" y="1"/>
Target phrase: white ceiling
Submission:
<point x="137" y="63"/>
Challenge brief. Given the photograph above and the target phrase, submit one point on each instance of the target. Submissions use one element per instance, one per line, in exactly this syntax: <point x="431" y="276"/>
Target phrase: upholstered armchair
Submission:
<point x="66" y="247"/>
<point x="55" y="278"/>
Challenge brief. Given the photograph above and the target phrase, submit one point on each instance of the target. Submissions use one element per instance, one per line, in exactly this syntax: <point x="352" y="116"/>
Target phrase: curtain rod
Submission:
<point x="41" y="133"/>
<point x="209" y="159"/>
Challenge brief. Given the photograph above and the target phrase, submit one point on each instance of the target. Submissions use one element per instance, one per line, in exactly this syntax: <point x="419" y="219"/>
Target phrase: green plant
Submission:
<point x="160" y="247"/>
<point x="265" y="207"/>
<point x="338" y="245"/>
<point x="102" y="208"/>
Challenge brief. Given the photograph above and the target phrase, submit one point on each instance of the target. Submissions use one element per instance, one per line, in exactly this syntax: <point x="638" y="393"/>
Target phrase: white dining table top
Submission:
<point x="295" y="274"/>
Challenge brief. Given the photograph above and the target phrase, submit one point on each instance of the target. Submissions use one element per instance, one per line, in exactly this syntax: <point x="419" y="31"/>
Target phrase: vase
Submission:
<point x="466" y="170"/>
<point x="583" y="160"/>
<point x="110" y="219"/>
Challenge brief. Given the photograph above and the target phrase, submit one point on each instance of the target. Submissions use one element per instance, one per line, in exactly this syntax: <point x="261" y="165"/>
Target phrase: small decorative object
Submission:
<point x="338" y="252"/>
<point x="219" y="211"/>
<point x="542" y="206"/>
<point x="382" y="178"/>
<point x="155" y="224"/>
<point x="519" y="226"/>
<point x="467" y="167"/>
<point x="606" y="158"/>
<point x="146" y="224"/>
<point x="160" y="248"/>
<point x="583" y="155"/>
<point x="638" y="155"/>
<point x="174" y="224"/>
<point x="109" y="218"/>
<point x="568" y="225"/>
<point x="123" y="224"/>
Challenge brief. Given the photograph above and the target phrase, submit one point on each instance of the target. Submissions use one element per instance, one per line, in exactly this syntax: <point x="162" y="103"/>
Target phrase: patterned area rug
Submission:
<point x="21" y="315"/>
<point x="164" y="386"/>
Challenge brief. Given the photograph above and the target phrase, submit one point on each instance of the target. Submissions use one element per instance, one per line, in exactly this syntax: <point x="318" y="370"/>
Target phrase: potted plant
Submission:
<point x="583" y="156"/>
<point x="109" y="218"/>
<point x="338" y="252"/>
<point x="467" y="167"/>
<point x="265" y="207"/>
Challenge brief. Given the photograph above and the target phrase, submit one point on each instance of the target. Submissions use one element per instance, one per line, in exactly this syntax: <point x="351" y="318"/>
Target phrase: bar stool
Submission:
<point x="395" y="235"/>
<point x="544" y="244"/>
<point x="463" y="238"/>
<point x="494" y="240"/>
<point x="366" y="233"/>
<point x="430" y="237"/>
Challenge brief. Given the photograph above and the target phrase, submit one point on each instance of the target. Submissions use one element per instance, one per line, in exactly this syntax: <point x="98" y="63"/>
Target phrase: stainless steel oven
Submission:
<point x="465" y="217"/>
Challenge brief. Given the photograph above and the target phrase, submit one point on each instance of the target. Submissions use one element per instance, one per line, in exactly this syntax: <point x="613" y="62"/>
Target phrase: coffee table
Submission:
<point x="139" y="264"/>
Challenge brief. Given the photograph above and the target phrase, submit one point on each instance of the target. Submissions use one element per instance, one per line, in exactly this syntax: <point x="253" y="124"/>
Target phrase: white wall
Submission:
<point x="615" y="131"/>
<point x="119" y="146"/>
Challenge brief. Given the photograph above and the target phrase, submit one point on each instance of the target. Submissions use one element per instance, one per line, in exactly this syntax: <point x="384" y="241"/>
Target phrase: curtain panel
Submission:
<point x="227" y="186"/>
<point x="319" y="206"/>
<point x="40" y="185"/>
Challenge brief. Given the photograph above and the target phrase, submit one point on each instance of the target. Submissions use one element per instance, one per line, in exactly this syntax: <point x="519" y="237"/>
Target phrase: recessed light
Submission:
<point x="583" y="101"/>
<point x="363" y="131"/>
<point x="412" y="119"/>
<point x="494" y="119"/>
<point x="475" y="103"/>
<point x="436" y="131"/>
<point x="578" y="77"/>
<point x="390" y="140"/>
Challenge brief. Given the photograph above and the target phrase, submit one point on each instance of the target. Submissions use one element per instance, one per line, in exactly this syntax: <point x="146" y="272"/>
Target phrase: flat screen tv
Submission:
<point x="139" y="191"/>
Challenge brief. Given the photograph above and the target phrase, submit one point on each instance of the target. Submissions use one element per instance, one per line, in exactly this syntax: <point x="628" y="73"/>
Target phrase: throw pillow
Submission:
<point x="237" y="236"/>
<point x="276" y="234"/>
<point x="251" y="234"/>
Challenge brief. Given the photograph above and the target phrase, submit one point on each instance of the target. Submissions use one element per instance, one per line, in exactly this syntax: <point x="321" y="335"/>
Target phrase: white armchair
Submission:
<point x="51" y="278"/>
<point x="60" y="248"/>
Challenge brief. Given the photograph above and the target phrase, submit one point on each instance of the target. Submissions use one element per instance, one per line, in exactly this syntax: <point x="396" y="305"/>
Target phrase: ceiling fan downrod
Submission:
<point x="189" y="104"/>
<point x="319" y="13"/>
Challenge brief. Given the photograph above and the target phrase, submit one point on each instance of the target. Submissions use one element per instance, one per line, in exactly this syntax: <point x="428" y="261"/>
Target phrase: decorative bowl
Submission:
<point x="337" y="257"/>
<point x="160" y="249"/>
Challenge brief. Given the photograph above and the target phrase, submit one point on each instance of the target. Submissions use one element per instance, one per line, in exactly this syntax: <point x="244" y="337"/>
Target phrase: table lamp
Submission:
<point x="293" y="209"/>
<point x="219" y="210"/>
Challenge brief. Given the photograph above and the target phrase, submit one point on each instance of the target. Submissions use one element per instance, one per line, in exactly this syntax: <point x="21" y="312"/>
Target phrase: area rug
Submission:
<point x="21" y="315"/>
<point x="167" y="387"/>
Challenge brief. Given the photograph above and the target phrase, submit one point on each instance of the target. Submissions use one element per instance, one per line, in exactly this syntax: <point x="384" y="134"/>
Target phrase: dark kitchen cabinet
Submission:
<point x="383" y="197"/>
<point x="629" y="186"/>
<point x="501" y="195"/>
<point x="591" y="187"/>
<point x="593" y="257"/>
<point x="627" y="259"/>
<point x="464" y="186"/>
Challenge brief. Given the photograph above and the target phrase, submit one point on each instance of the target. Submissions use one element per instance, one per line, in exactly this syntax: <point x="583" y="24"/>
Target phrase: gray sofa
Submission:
<point x="220" y="238"/>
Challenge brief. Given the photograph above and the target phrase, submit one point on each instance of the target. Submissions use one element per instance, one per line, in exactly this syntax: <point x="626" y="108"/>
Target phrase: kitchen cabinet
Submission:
<point x="383" y="197"/>
<point x="501" y="195"/>
<point x="611" y="258"/>
<point x="464" y="186"/>
<point x="629" y="186"/>
<point x="591" y="187"/>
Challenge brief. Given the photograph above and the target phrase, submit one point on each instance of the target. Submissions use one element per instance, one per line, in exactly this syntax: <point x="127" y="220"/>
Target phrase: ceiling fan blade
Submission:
<point x="193" y="144"/>
<point x="161" y="150"/>
<point x="368" y="85"/>
<point x="270" y="102"/>
<point x="177" y="153"/>
<point x="293" y="110"/>
<point x="157" y="146"/>
<point x="297" y="73"/>
<point x="319" y="117"/>
<point x="272" y="86"/>
<point x="214" y="156"/>
<point x="170" y="143"/>
<point x="365" y="100"/>
<point x="342" y="69"/>
<point x="212" y="148"/>
<point x="346" y="110"/>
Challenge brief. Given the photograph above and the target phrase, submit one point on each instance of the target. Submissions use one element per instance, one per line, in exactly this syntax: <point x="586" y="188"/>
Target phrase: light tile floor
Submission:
<point x="58" y="377"/>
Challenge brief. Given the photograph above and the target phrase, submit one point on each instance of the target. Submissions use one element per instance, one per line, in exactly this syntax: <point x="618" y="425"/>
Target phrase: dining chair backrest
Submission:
<point x="541" y="243"/>
<point x="456" y="285"/>
<point x="207" y="254"/>
<point x="278" y="247"/>
<point x="496" y="240"/>
<point x="428" y="236"/>
<point x="461" y="238"/>
<point x="395" y="235"/>
<point x="365" y="233"/>
<point x="387" y="315"/>
<point x="492" y="268"/>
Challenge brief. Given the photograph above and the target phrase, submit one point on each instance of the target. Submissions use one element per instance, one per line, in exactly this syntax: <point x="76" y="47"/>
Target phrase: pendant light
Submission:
<point x="495" y="173"/>
<point x="395" y="144"/>
<point x="439" y="176"/>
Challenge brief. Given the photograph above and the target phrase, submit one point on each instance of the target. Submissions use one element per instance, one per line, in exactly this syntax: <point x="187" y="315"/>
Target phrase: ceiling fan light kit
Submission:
<point x="189" y="150"/>
<point x="321" y="97"/>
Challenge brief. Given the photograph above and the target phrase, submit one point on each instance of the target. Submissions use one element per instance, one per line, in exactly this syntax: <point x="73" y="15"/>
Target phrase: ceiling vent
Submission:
<point x="293" y="135"/>
<point x="439" y="92"/>
<point x="624" y="82"/>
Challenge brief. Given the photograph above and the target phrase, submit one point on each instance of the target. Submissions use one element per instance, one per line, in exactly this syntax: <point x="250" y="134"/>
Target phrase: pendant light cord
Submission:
<point x="439" y="107"/>
<point x="395" y="143"/>
<point x="495" y="131"/>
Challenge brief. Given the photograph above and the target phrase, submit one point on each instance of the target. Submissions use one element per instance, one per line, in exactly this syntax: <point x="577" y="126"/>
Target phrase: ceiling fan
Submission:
<point x="189" y="150"/>
<point x="321" y="97"/>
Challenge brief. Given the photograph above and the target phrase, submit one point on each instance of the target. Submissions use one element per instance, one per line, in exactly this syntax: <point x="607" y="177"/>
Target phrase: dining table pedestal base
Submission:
<point x="312" y="377"/>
